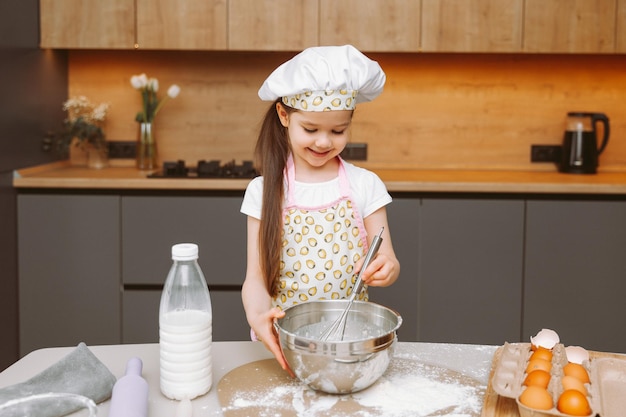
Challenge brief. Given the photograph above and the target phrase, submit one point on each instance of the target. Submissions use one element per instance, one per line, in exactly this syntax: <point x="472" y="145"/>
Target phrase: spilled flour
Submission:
<point x="408" y="388"/>
<point x="417" y="394"/>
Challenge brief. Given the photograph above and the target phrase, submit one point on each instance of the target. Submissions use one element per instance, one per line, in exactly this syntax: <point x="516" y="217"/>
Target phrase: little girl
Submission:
<point x="311" y="215"/>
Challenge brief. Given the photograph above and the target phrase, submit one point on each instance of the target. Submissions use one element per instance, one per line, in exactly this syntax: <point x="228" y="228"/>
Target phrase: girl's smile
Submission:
<point x="316" y="138"/>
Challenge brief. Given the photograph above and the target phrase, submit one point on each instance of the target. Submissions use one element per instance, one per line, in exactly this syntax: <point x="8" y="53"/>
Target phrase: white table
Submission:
<point x="470" y="360"/>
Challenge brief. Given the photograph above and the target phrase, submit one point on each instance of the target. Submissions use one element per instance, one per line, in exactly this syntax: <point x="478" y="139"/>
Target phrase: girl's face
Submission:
<point x="316" y="137"/>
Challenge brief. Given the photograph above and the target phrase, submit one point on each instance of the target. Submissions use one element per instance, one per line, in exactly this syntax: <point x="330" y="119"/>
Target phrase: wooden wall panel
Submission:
<point x="456" y="111"/>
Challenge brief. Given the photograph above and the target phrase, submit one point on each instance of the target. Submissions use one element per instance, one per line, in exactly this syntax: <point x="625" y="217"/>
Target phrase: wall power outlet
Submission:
<point x="355" y="152"/>
<point x="545" y="153"/>
<point x="122" y="149"/>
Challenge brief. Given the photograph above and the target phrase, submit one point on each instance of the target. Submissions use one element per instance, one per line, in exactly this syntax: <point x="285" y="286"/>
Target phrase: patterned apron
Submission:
<point x="320" y="247"/>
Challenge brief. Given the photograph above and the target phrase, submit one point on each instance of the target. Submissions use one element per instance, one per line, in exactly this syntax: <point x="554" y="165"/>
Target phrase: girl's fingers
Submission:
<point x="272" y="344"/>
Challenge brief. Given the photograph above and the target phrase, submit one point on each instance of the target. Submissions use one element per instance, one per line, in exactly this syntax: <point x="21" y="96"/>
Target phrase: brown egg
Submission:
<point x="577" y="371"/>
<point x="574" y="403"/>
<point x="537" y="398"/>
<point x="570" y="382"/>
<point x="538" y="364"/>
<point x="542" y="353"/>
<point x="538" y="377"/>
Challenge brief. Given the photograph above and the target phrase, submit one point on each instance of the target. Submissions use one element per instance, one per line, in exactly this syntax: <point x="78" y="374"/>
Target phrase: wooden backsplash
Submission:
<point x="438" y="111"/>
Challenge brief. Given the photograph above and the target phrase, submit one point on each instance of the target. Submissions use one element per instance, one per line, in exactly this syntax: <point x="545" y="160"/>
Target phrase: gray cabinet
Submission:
<point x="461" y="269"/>
<point x="470" y="258"/>
<point x="68" y="257"/>
<point x="402" y="214"/>
<point x="473" y="270"/>
<point x="91" y="267"/>
<point x="151" y="225"/>
<point x="575" y="272"/>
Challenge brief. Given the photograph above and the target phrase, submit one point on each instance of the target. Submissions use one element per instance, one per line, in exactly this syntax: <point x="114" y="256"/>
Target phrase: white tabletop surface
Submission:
<point x="471" y="360"/>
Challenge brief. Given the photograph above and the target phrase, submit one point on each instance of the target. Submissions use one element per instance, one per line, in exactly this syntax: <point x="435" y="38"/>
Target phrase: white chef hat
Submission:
<point x="325" y="78"/>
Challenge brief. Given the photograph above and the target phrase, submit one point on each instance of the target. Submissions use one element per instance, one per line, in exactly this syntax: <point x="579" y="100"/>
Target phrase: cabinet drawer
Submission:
<point x="470" y="259"/>
<point x="69" y="288"/>
<point x="152" y="224"/>
<point x="574" y="272"/>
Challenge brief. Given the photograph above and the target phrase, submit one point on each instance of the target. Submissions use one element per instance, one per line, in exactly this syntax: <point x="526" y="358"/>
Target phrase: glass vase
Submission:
<point x="78" y="155"/>
<point x="97" y="155"/>
<point x="146" y="148"/>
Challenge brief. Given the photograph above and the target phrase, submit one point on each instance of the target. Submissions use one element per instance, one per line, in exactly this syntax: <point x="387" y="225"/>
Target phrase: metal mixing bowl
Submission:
<point x="338" y="367"/>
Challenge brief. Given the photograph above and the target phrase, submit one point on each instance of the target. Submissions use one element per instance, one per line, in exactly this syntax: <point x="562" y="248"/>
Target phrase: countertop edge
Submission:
<point x="61" y="175"/>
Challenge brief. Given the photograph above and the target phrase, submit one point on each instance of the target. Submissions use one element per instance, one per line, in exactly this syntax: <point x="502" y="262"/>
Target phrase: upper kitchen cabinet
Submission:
<point x="570" y="26"/>
<point x="375" y="25"/>
<point x="182" y="24"/>
<point x="272" y="25"/>
<point x="620" y="46"/>
<point x="471" y="25"/>
<point x="87" y="24"/>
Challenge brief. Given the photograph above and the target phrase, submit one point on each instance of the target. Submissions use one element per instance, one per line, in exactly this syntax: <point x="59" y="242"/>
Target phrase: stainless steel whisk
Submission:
<point x="337" y="329"/>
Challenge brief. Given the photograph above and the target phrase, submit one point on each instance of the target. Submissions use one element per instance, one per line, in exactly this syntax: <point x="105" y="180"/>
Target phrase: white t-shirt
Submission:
<point x="367" y="190"/>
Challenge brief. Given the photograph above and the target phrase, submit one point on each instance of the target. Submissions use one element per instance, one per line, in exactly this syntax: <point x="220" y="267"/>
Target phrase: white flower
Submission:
<point x="139" y="81"/>
<point x="153" y="84"/>
<point x="78" y="104"/>
<point x="100" y="112"/>
<point x="148" y="87"/>
<point x="173" y="91"/>
<point x="80" y="107"/>
<point x="84" y="121"/>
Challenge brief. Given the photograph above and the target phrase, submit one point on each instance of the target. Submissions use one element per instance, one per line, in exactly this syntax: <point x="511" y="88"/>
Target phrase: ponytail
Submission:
<point x="271" y="153"/>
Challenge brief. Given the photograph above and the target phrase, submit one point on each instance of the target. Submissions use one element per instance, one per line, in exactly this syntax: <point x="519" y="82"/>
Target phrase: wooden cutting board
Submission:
<point x="498" y="406"/>
<point x="262" y="388"/>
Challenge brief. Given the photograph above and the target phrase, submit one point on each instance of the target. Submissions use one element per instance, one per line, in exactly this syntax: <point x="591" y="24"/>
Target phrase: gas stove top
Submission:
<point x="206" y="169"/>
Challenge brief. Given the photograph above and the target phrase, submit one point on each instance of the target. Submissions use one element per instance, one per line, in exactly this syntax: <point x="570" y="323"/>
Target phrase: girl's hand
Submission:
<point x="264" y="329"/>
<point x="384" y="269"/>
<point x="381" y="271"/>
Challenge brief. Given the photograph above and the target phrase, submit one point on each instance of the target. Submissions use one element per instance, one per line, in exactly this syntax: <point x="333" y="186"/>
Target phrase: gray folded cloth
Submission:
<point x="80" y="372"/>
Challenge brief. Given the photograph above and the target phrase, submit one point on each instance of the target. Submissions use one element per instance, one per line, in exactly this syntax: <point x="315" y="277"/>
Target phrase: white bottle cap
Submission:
<point x="185" y="252"/>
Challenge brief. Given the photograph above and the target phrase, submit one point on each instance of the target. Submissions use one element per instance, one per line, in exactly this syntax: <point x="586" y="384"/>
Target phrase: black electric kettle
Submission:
<point x="580" y="151"/>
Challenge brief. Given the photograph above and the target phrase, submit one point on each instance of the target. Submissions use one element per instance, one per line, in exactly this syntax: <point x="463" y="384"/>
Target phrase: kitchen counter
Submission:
<point x="472" y="361"/>
<point x="124" y="176"/>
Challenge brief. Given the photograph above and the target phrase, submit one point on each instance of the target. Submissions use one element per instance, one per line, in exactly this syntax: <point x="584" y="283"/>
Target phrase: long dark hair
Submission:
<point x="271" y="153"/>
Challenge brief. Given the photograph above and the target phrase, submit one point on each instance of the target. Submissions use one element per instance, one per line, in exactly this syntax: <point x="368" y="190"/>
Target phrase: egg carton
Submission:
<point x="605" y="392"/>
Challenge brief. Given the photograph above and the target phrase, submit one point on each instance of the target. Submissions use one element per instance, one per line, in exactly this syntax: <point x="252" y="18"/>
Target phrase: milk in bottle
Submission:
<point x="185" y="328"/>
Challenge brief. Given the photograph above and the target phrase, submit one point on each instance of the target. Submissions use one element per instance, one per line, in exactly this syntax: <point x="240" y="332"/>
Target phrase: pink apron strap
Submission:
<point x="344" y="188"/>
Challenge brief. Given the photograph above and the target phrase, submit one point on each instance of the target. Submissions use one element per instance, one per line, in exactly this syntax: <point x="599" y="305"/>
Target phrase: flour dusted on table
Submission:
<point x="408" y="388"/>
<point x="417" y="389"/>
